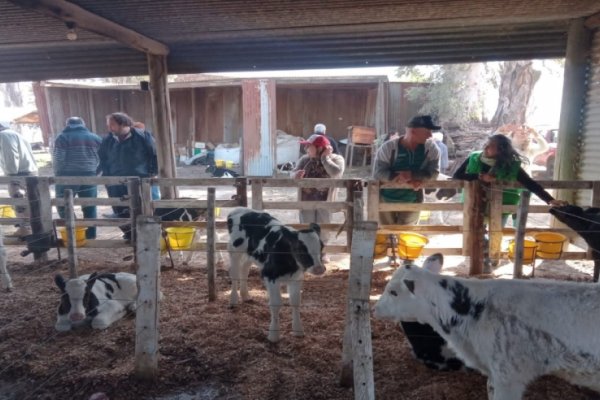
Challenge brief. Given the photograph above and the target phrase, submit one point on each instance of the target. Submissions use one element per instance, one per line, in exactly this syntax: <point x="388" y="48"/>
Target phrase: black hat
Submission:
<point x="423" y="121"/>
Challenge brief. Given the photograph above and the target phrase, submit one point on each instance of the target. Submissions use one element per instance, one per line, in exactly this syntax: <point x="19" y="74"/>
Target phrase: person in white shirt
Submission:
<point x="16" y="159"/>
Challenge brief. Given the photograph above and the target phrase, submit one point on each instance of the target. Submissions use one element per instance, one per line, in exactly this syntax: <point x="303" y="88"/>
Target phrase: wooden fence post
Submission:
<point x="475" y="227"/>
<point x="210" y="244"/>
<point x="257" y="193"/>
<point x="70" y="226"/>
<point x="40" y="211"/>
<point x="520" y="233"/>
<point x="241" y="188"/>
<point x="148" y="283"/>
<point x="495" y="225"/>
<point x="373" y="200"/>
<point x="135" y="208"/>
<point x="357" y="354"/>
<point x="146" y="197"/>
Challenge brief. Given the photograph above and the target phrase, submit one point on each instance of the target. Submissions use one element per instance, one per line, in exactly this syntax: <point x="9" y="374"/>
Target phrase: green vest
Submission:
<point x="509" y="196"/>
<point x="405" y="160"/>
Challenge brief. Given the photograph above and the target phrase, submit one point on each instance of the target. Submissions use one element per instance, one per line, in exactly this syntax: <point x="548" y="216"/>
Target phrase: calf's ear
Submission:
<point x="60" y="282"/>
<point x="315" y="227"/>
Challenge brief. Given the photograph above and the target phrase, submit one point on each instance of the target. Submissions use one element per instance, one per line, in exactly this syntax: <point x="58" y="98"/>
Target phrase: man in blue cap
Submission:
<point x="409" y="159"/>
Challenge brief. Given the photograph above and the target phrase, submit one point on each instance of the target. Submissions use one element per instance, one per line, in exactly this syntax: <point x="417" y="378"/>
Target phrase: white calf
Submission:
<point x="281" y="253"/>
<point x="511" y="331"/>
<point x="97" y="298"/>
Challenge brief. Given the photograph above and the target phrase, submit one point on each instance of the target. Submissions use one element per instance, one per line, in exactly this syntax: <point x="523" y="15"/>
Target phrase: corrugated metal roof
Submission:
<point x="237" y="35"/>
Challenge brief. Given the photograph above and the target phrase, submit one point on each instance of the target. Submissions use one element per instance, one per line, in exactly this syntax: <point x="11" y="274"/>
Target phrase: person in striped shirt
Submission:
<point x="76" y="154"/>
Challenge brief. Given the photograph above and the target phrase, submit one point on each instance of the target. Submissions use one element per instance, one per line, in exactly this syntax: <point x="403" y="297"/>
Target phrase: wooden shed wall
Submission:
<point x="215" y="113"/>
<point x="400" y="108"/>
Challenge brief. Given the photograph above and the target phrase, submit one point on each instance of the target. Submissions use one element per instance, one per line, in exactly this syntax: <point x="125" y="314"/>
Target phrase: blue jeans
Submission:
<point x="89" y="191"/>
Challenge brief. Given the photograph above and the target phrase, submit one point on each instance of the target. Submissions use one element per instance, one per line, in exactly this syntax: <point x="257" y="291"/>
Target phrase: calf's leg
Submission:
<point x="235" y="275"/>
<point x="274" y="292"/>
<point x="108" y="313"/>
<point x="4" y="275"/>
<point x="294" y="291"/>
<point x="244" y="271"/>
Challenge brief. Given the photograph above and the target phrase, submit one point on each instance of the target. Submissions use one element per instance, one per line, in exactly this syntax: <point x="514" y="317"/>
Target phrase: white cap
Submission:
<point x="438" y="136"/>
<point x="4" y="124"/>
<point x="320" y="128"/>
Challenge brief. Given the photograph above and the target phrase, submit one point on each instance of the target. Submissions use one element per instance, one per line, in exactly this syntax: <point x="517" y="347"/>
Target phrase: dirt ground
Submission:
<point x="209" y="351"/>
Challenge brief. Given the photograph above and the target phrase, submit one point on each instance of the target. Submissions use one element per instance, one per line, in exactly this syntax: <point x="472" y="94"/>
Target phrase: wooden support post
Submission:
<point x="474" y="217"/>
<point x="259" y="138"/>
<point x="210" y="244"/>
<point x="357" y="355"/>
<point x="40" y="211"/>
<point x="146" y="198"/>
<point x="135" y="207"/>
<point x="351" y="196"/>
<point x="161" y="110"/>
<point x="520" y="234"/>
<point x="70" y="225"/>
<point x="147" y="312"/>
<point x="579" y="42"/>
<point x="241" y="188"/>
<point x="257" y="193"/>
<point x="495" y="218"/>
<point x="373" y="200"/>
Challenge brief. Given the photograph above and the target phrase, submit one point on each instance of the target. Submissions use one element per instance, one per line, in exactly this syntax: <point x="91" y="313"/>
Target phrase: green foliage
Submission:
<point x="454" y="95"/>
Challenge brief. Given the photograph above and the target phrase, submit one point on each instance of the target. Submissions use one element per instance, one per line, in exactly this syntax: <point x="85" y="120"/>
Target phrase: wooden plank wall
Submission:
<point x="400" y="109"/>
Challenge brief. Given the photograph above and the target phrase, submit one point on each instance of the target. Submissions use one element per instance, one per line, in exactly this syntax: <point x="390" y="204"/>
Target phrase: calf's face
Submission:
<point x="309" y="250"/>
<point x="398" y="301"/>
<point x="76" y="298"/>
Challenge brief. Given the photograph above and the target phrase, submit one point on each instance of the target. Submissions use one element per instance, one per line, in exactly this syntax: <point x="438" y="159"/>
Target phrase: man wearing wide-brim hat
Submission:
<point x="409" y="159"/>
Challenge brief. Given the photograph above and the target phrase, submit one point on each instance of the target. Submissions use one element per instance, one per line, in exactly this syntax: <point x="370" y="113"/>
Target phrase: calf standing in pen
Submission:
<point x="97" y="298"/>
<point x="587" y="224"/>
<point x="512" y="331"/>
<point x="281" y="253"/>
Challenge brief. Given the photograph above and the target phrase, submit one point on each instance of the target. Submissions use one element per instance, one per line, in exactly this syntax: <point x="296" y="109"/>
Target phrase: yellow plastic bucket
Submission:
<point x="229" y="164"/>
<point x="7" y="212"/>
<point x="549" y="245"/>
<point x="220" y="163"/>
<point x="382" y="244"/>
<point x="79" y="235"/>
<point x="180" y="238"/>
<point x="529" y="250"/>
<point x="410" y="245"/>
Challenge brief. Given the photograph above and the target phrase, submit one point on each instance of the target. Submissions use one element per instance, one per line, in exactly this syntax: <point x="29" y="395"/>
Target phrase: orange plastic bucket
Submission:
<point x="529" y="250"/>
<point x="410" y="245"/>
<point x="549" y="245"/>
<point x="79" y="236"/>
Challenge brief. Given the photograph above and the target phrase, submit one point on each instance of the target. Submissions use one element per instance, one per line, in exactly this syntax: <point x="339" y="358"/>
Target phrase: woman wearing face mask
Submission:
<point x="318" y="162"/>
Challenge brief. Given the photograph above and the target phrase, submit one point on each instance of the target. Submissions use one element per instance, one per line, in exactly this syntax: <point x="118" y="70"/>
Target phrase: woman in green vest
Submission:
<point x="499" y="161"/>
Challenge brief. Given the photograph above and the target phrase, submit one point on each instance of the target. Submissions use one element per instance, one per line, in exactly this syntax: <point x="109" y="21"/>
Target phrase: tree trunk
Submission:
<point x="517" y="79"/>
<point x="12" y="93"/>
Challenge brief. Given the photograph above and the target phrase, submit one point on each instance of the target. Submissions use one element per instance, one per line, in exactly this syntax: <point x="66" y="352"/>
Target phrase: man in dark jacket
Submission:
<point x="76" y="154"/>
<point x="126" y="151"/>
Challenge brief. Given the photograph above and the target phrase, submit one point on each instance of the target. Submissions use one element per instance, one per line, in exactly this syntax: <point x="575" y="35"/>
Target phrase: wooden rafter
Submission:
<point x="593" y="21"/>
<point x="83" y="19"/>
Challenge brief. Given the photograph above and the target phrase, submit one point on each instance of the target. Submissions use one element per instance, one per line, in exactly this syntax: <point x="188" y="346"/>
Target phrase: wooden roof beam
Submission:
<point x="593" y="21"/>
<point x="69" y="12"/>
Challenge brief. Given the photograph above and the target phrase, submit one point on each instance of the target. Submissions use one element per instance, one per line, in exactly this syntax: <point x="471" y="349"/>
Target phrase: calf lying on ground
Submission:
<point x="97" y="298"/>
<point x="587" y="224"/>
<point x="5" y="279"/>
<point x="281" y="253"/>
<point x="510" y="330"/>
<point x="427" y="345"/>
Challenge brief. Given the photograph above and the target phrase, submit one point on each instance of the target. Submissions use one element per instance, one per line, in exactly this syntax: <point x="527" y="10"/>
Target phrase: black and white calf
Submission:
<point x="97" y="298"/>
<point x="429" y="347"/>
<point x="512" y="331"/>
<point x="586" y="222"/>
<point x="281" y="253"/>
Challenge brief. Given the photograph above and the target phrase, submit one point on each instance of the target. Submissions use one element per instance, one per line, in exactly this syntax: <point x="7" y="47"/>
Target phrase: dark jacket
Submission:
<point x="135" y="156"/>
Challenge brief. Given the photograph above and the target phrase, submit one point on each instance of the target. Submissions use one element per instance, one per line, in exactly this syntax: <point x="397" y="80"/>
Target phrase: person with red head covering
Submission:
<point x="318" y="162"/>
